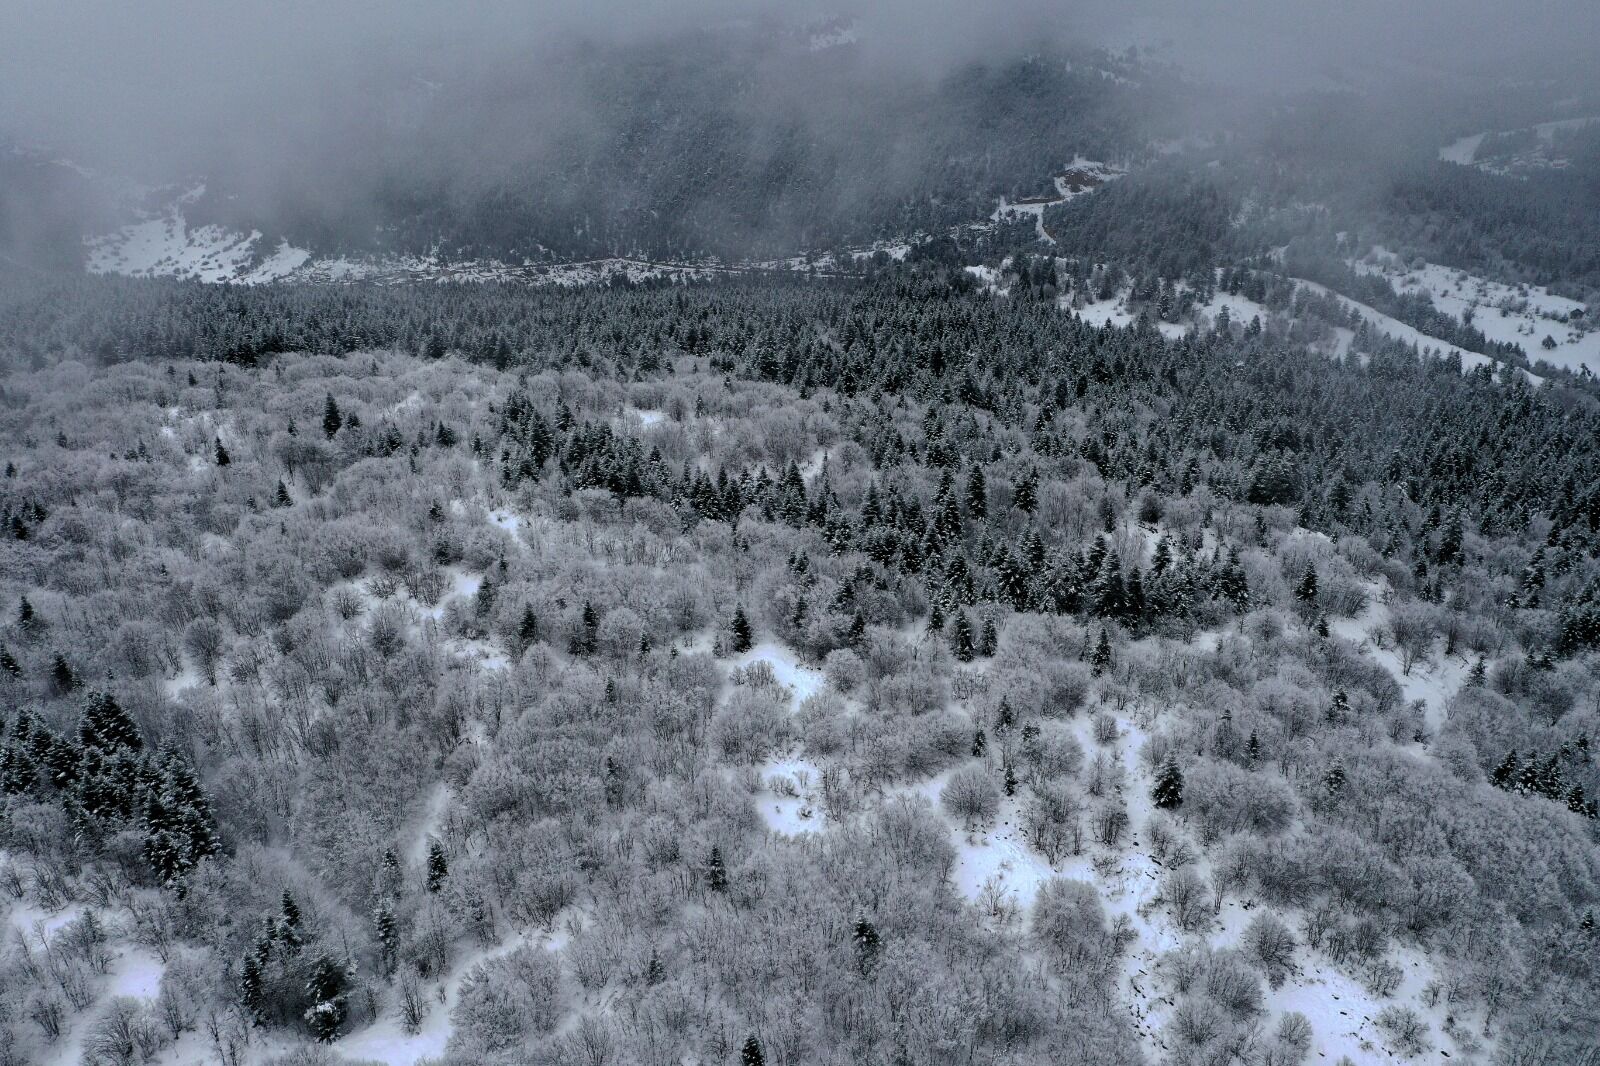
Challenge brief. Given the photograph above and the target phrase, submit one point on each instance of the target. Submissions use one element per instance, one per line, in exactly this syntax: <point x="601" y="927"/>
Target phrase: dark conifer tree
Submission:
<point x="1101" y="659"/>
<point x="961" y="644"/>
<point x="977" y="495"/>
<point x="867" y="945"/>
<point x="438" y="867"/>
<point x="716" y="872"/>
<point x="252" y="989"/>
<point x="989" y="643"/>
<point x="387" y="932"/>
<point x="1306" y="591"/>
<point x="62" y="677"/>
<point x="741" y="636"/>
<point x="1026" y="495"/>
<point x="1168" y="791"/>
<point x="106" y="727"/>
<point x="856" y="634"/>
<point x="1339" y="709"/>
<point x="223" y="459"/>
<point x="289" y="919"/>
<point x="1333" y="780"/>
<point x="328" y="990"/>
<point x="332" y="419"/>
<point x="751" y="1055"/>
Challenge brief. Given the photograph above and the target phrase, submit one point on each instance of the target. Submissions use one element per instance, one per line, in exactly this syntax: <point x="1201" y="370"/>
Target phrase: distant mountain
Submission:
<point x="723" y="144"/>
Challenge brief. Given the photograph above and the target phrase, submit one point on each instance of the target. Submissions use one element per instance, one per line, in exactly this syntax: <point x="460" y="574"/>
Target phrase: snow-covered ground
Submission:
<point x="788" y="802"/>
<point x="1536" y="154"/>
<point x="1433" y="680"/>
<point x="133" y="971"/>
<point x="1515" y="314"/>
<point x="1393" y="328"/>
<point x="167" y="247"/>
<point x="802" y="682"/>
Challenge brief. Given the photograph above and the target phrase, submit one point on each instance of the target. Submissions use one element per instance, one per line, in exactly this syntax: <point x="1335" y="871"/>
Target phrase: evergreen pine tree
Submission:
<point x="252" y="989"/>
<point x="1168" y="791"/>
<point x="289" y="919"/>
<point x="331" y="418"/>
<point x="387" y="932"/>
<point x="741" y="636"/>
<point x="716" y="872"/>
<point x="438" y="866"/>
<point x="282" y="498"/>
<point x="1101" y="659"/>
<point x="1339" y="709"/>
<point x="1231" y="583"/>
<point x="980" y="744"/>
<point x="1449" y="550"/>
<point x="1161" y="559"/>
<point x="328" y="989"/>
<point x="390" y="877"/>
<point x="483" y="601"/>
<point x="867" y="945"/>
<point x="528" y="630"/>
<point x="1306" y="591"/>
<point x="1333" y="779"/>
<point x="106" y="727"/>
<point x="751" y="1055"/>
<point x="977" y="494"/>
<point x="62" y="676"/>
<point x="1479" y="673"/>
<point x="1505" y="775"/>
<point x="989" y="643"/>
<point x="1252" y="748"/>
<point x="1026" y="495"/>
<point x="654" y="972"/>
<point x="223" y="459"/>
<point x="856" y="634"/>
<point x="961" y="644"/>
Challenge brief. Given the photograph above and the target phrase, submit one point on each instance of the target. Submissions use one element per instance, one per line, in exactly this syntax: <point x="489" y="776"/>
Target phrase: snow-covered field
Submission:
<point x="167" y="247"/>
<point x="1241" y="310"/>
<point x="1516" y="314"/>
<point x="1533" y="151"/>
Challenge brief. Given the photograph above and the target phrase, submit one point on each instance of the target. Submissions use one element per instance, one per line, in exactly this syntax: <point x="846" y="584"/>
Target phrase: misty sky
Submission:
<point x="166" y="80"/>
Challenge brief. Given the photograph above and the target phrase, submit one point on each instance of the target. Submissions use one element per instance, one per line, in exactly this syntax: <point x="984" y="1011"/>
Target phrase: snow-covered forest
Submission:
<point x="818" y="673"/>
<point x="716" y="535"/>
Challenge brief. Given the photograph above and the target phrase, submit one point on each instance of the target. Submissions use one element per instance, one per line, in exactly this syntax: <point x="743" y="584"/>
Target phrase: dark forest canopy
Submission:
<point x="1504" y="450"/>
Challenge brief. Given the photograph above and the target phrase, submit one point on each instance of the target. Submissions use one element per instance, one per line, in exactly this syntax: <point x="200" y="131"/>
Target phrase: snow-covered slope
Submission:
<point x="168" y="247"/>
<point x="1514" y="151"/>
<point x="1517" y="314"/>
